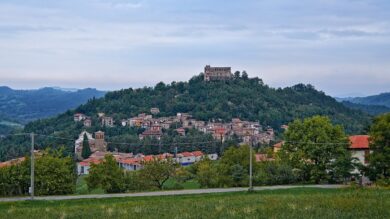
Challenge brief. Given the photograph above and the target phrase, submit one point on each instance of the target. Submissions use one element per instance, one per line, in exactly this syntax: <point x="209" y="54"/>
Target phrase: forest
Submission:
<point x="242" y="97"/>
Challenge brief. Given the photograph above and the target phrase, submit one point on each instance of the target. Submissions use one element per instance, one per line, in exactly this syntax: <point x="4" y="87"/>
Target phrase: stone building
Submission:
<point x="96" y="144"/>
<point x="217" y="73"/>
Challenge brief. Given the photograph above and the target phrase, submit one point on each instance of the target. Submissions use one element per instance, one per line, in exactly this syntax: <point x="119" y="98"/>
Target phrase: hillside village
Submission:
<point x="249" y="132"/>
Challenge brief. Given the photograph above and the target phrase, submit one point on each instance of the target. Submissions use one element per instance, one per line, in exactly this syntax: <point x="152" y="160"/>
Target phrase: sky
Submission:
<point x="342" y="47"/>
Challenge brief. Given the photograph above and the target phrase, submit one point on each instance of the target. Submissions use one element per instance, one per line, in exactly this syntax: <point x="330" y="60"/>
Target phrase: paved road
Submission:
<point x="165" y="193"/>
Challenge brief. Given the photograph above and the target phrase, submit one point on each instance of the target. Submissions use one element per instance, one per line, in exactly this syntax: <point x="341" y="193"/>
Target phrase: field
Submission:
<point x="291" y="203"/>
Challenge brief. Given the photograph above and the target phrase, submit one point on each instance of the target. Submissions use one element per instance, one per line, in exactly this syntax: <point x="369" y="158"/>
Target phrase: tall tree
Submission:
<point x="317" y="149"/>
<point x="86" y="151"/>
<point x="379" y="160"/>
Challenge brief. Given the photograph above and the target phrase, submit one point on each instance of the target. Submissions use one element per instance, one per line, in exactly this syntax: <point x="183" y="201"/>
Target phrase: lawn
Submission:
<point x="291" y="203"/>
<point x="171" y="184"/>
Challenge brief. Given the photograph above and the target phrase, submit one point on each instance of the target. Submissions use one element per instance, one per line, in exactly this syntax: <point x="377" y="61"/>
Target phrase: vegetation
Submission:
<point x="28" y="105"/>
<point x="54" y="175"/>
<point x="156" y="172"/>
<point x="292" y="203"/>
<point x="379" y="168"/>
<point x="106" y="175"/>
<point x="86" y="151"/>
<point x="243" y="97"/>
<point x="380" y="99"/>
<point x="318" y="150"/>
<point x="370" y="109"/>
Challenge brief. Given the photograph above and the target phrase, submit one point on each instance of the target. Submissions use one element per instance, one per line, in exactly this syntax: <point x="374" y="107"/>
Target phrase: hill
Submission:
<point x="370" y="109"/>
<point x="23" y="106"/>
<point x="244" y="98"/>
<point x="379" y="100"/>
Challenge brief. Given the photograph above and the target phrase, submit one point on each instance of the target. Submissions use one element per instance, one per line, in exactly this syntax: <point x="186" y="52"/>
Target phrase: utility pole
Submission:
<point x="32" y="167"/>
<point x="250" y="165"/>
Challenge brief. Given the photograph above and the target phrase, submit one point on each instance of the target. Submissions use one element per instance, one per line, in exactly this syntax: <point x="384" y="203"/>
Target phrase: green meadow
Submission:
<point x="290" y="203"/>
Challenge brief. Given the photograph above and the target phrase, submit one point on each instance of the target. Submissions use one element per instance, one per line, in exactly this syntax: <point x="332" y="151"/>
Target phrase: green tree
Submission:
<point x="54" y="174"/>
<point x="157" y="171"/>
<point x="379" y="160"/>
<point x="106" y="175"/>
<point x="86" y="151"/>
<point x="317" y="149"/>
<point x="206" y="173"/>
<point x="233" y="167"/>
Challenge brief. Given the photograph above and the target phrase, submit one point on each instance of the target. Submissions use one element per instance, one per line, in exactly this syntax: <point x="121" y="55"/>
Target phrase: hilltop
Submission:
<point x="242" y="97"/>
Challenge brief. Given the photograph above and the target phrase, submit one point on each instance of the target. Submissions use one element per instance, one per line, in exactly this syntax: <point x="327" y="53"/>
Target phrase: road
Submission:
<point x="166" y="193"/>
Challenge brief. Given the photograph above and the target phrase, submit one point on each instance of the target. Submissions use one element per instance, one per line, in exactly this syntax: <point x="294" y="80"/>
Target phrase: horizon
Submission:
<point x="340" y="47"/>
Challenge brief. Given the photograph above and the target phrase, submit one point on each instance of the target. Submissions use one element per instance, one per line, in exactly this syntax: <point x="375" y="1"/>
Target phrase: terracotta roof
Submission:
<point x="279" y="145"/>
<point x="186" y="154"/>
<point x="88" y="162"/>
<point x="197" y="153"/>
<point x="263" y="157"/>
<point x="133" y="161"/>
<point x="148" y="158"/>
<point x="359" y="142"/>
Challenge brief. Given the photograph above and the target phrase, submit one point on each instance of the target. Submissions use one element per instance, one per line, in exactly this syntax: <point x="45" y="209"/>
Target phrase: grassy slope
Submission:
<point x="293" y="203"/>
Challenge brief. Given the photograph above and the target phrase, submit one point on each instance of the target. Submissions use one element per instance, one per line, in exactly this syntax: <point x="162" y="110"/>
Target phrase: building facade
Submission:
<point x="217" y="73"/>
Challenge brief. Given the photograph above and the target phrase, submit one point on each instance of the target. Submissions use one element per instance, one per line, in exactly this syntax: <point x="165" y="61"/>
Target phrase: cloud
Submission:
<point x="117" y="42"/>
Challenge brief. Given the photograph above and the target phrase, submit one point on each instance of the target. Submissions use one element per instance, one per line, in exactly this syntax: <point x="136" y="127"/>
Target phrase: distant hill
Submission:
<point x="23" y="106"/>
<point x="244" y="98"/>
<point x="382" y="99"/>
<point x="370" y="109"/>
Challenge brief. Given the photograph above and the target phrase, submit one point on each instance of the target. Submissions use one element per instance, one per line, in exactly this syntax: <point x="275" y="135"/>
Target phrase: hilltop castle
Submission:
<point x="217" y="73"/>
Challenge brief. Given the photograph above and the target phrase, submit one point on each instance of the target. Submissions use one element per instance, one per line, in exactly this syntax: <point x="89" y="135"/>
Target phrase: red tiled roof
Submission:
<point x="88" y="162"/>
<point x="186" y="154"/>
<point x="279" y="145"/>
<point x="263" y="157"/>
<point x="359" y="142"/>
<point x="133" y="161"/>
<point x="148" y="158"/>
<point x="197" y="153"/>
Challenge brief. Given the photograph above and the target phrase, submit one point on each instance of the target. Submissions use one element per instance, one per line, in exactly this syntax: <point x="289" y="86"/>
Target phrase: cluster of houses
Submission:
<point x="249" y="132"/>
<point x="133" y="162"/>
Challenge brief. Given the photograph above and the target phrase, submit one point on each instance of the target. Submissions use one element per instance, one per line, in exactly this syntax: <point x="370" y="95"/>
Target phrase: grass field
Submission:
<point x="291" y="203"/>
<point x="171" y="184"/>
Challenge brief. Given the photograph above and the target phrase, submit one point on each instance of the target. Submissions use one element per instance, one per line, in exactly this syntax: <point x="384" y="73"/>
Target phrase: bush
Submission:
<point x="274" y="173"/>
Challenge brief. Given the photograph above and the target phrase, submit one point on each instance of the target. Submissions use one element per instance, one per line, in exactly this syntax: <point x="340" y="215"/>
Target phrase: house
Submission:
<point x="78" y="117"/>
<point x="154" y="111"/>
<point x="12" y="162"/>
<point x="359" y="148"/>
<point x="219" y="133"/>
<point x="278" y="146"/>
<point x="84" y="166"/>
<point x="217" y="73"/>
<point x="130" y="164"/>
<point x="88" y="122"/>
<point x="124" y="122"/>
<point x="136" y="122"/>
<point x="181" y="131"/>
<point x="185" y="158"/>
<point x="263" y="157"/>
<point x="213" y="156"/>
<point x="154" y="132"/>
<point x="107" y="121"/>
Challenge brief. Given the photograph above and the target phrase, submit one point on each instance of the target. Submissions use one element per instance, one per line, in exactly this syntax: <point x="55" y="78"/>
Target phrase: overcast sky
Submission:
<point x="340" y="46"/>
